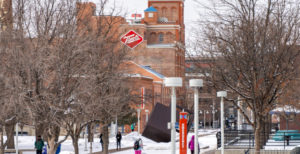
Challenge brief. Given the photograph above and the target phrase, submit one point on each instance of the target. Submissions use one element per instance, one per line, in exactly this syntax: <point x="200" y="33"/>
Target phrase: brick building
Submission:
<point x="160" y="55"/>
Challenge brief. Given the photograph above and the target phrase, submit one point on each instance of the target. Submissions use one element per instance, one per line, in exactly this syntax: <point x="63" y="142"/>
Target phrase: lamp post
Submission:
<point x="173" y="82"/>
<point x="204" y="119"/>
<point x="139" y="122"/>
<point x="17" y="140"/>
<point x="200" y="112"/>
<point x="196" y="83"/>
<point x="85" y="139"/>
<point x="222" y="94"/>
<point x="147" y="111"/>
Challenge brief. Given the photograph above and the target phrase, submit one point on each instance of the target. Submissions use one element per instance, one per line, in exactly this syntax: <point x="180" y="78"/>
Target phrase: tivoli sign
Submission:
<point x="132" y="39"/>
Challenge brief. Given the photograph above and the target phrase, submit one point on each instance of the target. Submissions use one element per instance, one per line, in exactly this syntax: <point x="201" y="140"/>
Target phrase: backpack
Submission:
<point x="136" y="145"/>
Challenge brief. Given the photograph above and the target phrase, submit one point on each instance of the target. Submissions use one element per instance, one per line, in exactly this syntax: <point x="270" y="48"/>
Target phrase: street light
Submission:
<point x="147" y="111"/>
<point x="139" y="122"/>
<point x="17" y="140"/>
<point x="173" y="82"/>
<point x="222" y="94"/>
<point x="196" y="83"/>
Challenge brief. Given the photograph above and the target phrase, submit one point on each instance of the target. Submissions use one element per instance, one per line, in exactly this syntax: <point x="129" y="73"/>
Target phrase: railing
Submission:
<point x="245" y="139"/>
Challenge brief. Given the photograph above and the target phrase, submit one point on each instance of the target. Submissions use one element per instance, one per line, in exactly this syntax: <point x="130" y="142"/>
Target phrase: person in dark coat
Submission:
<point x="39" y="144"/>
<point x="119" y="138"/>
<point x="101" y="141"/>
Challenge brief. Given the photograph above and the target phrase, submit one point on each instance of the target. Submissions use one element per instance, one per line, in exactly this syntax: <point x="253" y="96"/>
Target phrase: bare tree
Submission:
<point x="50" y="59"/>
<point x="253" y="48"/>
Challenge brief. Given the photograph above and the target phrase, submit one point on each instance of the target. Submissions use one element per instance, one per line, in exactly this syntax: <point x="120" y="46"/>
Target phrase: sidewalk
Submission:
<point x="114" y="150"/>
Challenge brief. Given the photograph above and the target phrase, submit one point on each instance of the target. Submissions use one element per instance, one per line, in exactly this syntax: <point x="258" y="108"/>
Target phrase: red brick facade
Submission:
<point x="161" y="51"/>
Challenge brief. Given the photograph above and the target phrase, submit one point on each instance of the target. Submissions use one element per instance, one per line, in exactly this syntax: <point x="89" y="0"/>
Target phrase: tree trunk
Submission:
<point x="257" y="135"/>
<point x="75" y="144"/>
<point x="51" y="149"/>
<point x="1" y="142"/>
<point x="39" y="130"/>
<point x="105" y="139"/>
<point x="9" y="129"/>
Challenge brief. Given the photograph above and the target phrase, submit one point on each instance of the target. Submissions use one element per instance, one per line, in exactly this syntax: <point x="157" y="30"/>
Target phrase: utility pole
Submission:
<point x="222" y="94"/>
<point x="196" y="83"/>
<point x="173" y="82"/>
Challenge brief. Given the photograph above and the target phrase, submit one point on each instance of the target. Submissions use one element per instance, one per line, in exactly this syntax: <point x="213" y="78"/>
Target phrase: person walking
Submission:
<point x="138" y="146"/>
<point x="58" y="149"/>
<point x="192" y="145"/>
<point x="132" y="127"/>
<point x="39" y="144"/>
<point x="101" y="141"/>
<point x="119" y="138"/>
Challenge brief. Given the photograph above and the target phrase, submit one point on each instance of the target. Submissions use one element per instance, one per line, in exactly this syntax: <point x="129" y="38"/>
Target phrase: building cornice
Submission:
<point x="163" y="26"/>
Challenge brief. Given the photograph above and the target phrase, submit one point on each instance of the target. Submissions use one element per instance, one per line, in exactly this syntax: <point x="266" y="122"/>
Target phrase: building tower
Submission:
<point x="163" y="30"/>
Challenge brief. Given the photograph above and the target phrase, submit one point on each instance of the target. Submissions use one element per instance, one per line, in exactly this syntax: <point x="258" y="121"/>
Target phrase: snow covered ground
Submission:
<point x="150" y="147"/>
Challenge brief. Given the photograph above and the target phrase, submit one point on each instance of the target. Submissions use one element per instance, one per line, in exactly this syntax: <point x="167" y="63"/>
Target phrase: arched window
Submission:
<point x="174" y="14"/>
<point x="152" y="37"/>
<point x="161" y="37"/>
<point x="170" y="37"/>
<point x="164" y="12"/>
<point x="158" y="11"/>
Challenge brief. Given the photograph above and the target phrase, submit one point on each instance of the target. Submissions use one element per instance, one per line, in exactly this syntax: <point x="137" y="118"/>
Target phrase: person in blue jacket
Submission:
<point x="58" y="149"/>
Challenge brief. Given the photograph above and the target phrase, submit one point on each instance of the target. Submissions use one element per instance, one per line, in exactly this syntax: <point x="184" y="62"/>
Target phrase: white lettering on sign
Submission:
<point x="183" y="139"/>
<point x="131" y="38"/>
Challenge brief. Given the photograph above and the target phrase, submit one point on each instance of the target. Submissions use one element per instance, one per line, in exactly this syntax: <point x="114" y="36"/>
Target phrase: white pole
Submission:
<point x="139" y="112"/>
<point x="173" y="120"/>
<point x="173" y="82"/>
<point x="85" y="139"/>
<point x="213" y="107"/>
<point x="239" y="121"/>
<point x="17" y="140"/>
<point x="222" y="125"/>
<point x="117" y="125"/>
<point x="196" y="119"/>
<point x="204" y="120"/>
<point x="147" y="111"/>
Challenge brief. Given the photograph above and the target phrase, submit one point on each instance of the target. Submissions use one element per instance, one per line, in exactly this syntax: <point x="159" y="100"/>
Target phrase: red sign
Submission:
<point x="132" y="39"/>
<point x="136" y="15"/>
<point x="183" y="133"/>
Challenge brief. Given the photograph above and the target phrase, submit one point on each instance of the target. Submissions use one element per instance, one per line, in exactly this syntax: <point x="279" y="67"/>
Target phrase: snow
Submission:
<point x="150" y="147"/>
<point x="286" y="108"/>
<point x="207" y="140"/>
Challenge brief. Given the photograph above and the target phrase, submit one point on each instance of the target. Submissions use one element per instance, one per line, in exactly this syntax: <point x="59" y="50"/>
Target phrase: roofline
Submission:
<point x="147" y="70"/>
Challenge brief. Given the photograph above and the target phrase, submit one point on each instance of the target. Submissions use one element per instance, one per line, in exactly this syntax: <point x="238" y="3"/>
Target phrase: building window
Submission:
<point x="161" y="37"/>
<point x="164" y="12"/>
<point x="150" y="15"/>
<point x="153" y="37"/>
<point x="174" y="14"/>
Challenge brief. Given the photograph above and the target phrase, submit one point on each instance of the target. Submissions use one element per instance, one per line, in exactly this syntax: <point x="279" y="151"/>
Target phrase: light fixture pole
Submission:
<point x="17" y="139"/>
<point x="173" y="82"/>
<point x="204" y="119"/>
<point x="147" y="112"/>
<point x="196" y="83"/>
<point x="139" y="122"/>
<point x="222" y="94"/>
<point x="85" y="139"/>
